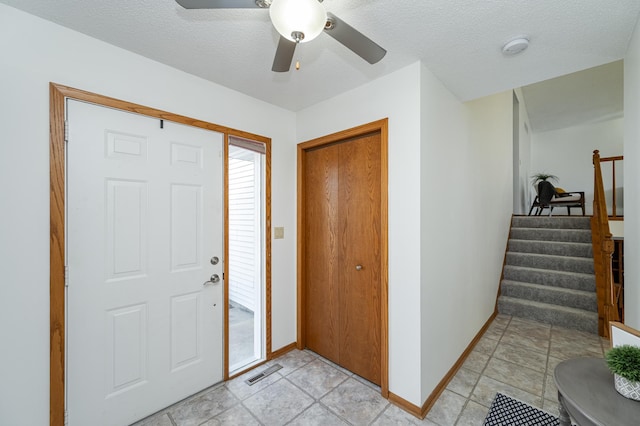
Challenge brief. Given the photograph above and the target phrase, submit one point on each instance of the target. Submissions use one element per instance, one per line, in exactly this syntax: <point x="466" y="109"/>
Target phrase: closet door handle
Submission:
<point x="358" y="267"/>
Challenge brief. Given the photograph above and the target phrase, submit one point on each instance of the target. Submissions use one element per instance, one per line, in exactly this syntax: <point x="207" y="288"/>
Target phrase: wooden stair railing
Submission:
<point x="614" y="198"/>
<point x="618" y="252"/>
<point x="603" y="247"/>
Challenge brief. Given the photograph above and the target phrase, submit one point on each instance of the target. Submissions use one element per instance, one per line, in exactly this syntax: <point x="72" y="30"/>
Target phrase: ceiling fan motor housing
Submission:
<point x="298" y="20"/>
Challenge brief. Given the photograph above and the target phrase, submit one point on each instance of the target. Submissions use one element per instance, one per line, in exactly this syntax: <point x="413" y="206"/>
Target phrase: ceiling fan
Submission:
<point x="299" y="21"/>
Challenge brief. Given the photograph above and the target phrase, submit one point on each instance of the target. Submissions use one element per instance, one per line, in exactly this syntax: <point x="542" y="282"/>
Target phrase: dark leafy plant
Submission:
<point x="625" y="361"/>
<point x="543" y="176"/>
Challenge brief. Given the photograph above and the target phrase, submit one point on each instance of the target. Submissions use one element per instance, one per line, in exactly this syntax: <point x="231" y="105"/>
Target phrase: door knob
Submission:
<point x="358" y="267"/>
<point x="215" y="278"/>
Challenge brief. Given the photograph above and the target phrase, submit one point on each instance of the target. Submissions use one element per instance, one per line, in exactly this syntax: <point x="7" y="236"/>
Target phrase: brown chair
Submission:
<point x="548" y="198"/>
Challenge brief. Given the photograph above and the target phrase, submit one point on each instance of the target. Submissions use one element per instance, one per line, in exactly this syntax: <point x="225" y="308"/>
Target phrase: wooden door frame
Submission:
<point x="58" y="94"/>
<point x="380" y="126"/>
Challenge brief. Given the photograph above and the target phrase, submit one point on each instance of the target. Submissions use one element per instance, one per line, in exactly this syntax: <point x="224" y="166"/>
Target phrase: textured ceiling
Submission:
<point x="458" y="40"/>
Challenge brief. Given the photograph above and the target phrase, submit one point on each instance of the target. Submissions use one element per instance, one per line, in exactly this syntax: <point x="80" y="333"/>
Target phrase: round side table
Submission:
<point x="586" y="393"/>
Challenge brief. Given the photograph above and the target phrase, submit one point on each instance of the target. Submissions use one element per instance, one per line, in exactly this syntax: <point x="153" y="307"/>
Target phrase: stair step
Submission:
<point x="541" y="234"/>
<point x="551" y="247"/>
<point x="548" y="274"/>
<point x="577" y="222"/>
<point x="546" y="261"/>
<point x="563" y="316"/>
<point x="572" y="280"/>
<point x="552" y="295"/>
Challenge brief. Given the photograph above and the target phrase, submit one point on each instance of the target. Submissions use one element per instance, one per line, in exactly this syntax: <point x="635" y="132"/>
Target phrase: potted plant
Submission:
<point x="624" y="362"/>
<point x="542" y="176"/>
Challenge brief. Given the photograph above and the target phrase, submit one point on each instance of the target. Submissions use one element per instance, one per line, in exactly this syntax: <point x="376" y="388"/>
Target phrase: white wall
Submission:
<point x="396" y="96"/>
<point x="466" y="205"/>
<point x="35" y="52"/>
<point x="567" y="153"/>
<point x="632" y="180"/>
<point x="525" y="157"/>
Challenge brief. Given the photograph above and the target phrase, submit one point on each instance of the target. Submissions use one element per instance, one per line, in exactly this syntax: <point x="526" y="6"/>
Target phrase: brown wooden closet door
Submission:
<point x="342" y="254"/>
<point x="321" y="251"/>
<point x="359" y="254"/>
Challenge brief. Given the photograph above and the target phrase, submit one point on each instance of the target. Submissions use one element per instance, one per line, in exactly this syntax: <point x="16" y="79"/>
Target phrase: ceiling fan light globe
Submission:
<point x="298" y="16"/>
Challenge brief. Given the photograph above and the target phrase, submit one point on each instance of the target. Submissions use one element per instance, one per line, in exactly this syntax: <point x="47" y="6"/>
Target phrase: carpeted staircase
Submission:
<point x="548" y="273"/>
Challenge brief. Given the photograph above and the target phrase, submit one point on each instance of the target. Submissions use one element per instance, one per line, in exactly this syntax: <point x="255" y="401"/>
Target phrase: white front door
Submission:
<point x="144" y="220"/>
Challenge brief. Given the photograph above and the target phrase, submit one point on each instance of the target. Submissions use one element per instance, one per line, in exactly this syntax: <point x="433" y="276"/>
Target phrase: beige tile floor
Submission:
<point x="516" y="357"/>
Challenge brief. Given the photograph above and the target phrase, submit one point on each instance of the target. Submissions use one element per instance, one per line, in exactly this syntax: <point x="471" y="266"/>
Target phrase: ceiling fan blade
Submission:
<point x="284" y="55"/>
<point x="359" y="43"/>
<point x="218" y="4"/>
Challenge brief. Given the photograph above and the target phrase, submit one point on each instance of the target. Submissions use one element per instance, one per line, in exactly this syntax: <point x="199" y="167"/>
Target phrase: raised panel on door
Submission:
<point x="186" y="330"/>
<point x="126" y="228"/>
<point x="126" y="348"/>
<point x="359" y="254"/>
<point x="186" y="227"/>
<point x="321" y="251"/>
<point x="144" y="215"/>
